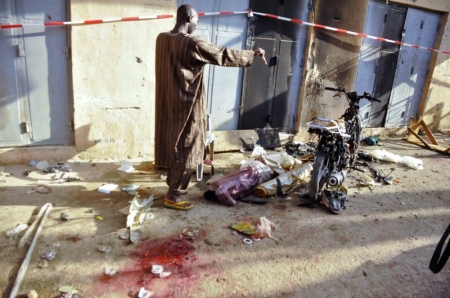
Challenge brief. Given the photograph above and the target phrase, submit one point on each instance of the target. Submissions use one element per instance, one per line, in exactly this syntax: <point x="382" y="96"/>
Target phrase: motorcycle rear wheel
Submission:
<point x="317" y="180"/>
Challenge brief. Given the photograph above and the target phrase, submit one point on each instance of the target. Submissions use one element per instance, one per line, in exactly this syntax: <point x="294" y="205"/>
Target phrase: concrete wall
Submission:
<point x="333" y="62"/>
<point x="113" y="76"/>
<point x="435" y="106"/>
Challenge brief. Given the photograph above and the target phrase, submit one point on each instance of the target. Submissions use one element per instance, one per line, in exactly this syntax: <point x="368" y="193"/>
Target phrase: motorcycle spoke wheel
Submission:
<point x="317" y="180"/>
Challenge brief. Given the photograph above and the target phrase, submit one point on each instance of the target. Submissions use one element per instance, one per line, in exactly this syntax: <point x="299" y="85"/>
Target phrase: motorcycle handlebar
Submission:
<point x="334" y="89"/>
<point x="366" y="95"/>
<point x="369" y="97"/>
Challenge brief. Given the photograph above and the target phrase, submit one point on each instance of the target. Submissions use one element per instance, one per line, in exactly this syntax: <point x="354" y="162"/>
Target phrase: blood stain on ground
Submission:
<point x="174" y="253"/>
<point x="280" y="207"/>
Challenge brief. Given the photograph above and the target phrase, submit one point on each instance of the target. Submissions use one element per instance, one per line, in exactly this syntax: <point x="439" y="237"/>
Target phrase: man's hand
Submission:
<point x="261" y="53"/>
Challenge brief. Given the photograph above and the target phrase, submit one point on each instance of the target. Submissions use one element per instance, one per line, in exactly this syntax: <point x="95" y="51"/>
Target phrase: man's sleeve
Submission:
<point x="209" y="53"/>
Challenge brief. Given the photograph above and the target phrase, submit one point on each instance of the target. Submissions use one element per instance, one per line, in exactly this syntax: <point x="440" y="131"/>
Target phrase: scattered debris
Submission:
<point x="367" y="181"/>
<point x="68" y="289"/>
<point x="130" y="188"/>
<point x="189" y="233"/>
<point x="365" y="156"/>
<point x="143" y="293"/>
<point x="32" y="294"/>
<point x="382" y="154"/>
<point x="110" y="271"/>
<point x="63" y="217"/>
<point x="415" y="138"/>
<point x="52" y="169"/>
<point x="16" y="230"/>
<point x="104" y="249"/>
<point x="258" y="151"/>
<point x="268" y="137"/>
<point x="126" y="166"/>
<point x="263" y="229"/>
<point x="42" y="263"/>
<point x="137" y="214"/>
<point x="40" y="188"/>
<point x="157" y="269"/>
<point x="47" y="207"/>
<point x="71" y="179"/>
<point x="298" y="149"/>
<point x="66" y="168"/>
<point x="107" y="188"/>
<point x="379" y="176"/>
<point x="247" y="241"/>
<point x="371" y="141"/>
<point x="124" y="236"/>
<point x="335" y="200"/>
<point x="49" y="255"/>
<point x="284" y="182"/>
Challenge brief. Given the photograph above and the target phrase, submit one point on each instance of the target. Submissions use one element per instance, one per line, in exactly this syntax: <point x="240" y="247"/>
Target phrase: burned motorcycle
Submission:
<point x="336" y="151"/>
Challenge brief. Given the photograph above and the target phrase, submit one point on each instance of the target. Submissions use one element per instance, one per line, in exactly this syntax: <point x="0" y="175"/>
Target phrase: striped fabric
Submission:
<point x="180" y="99"/>
<point x="236" y="185"/>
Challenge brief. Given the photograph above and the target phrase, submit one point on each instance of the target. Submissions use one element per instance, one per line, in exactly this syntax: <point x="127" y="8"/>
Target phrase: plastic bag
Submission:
<point x="286" y="180"/>
<point x="258" y="151"/>
<point x="281" y="162"/>
<point x="382" y="154"/>
<point x="264" y="229"/>
<point x="411" y="162"/>
<point x="265" y="172"/>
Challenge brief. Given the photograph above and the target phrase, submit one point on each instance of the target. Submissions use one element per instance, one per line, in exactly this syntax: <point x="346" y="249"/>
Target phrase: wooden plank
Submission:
<point x="429" y="133"/>
<point x="419" y="138"/>
<point x="417" y="124"/>
<point x="411" y="137"/>
<point x="435" y="147"/>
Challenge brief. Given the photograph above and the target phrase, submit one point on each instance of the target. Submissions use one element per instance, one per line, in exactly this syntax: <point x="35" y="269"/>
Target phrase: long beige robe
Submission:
<point x="180" y="122"/>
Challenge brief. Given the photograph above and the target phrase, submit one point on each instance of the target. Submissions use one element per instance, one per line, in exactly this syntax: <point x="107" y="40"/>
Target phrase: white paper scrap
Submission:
<point x="107" y="188"/>
<point x="126" y="166"/>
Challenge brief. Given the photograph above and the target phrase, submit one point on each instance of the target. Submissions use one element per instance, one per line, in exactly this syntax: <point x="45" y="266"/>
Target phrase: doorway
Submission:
<point x="274" y="89"/>
<point x="34" y="87"/>
<point x="224" y="84"/>
<point x="393" y="73"/>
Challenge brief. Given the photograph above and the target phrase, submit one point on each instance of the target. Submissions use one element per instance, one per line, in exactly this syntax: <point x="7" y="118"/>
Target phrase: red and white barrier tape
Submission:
<point x="200" y="14"/>
<point x="349" y="32"/>
<point x="111" y="20"/>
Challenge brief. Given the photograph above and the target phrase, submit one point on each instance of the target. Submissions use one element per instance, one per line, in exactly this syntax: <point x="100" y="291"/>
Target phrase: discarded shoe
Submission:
<point x="182" y="205"/>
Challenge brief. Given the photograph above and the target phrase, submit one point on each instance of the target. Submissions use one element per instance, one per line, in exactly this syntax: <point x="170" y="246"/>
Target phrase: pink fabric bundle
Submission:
<point x="234" y="186"/>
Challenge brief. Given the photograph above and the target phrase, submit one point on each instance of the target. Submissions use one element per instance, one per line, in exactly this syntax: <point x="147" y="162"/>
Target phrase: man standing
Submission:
<point x="180" y="126"/>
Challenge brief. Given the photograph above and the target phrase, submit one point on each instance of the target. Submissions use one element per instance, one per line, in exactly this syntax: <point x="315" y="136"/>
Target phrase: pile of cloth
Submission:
<point x="263" y="175"/>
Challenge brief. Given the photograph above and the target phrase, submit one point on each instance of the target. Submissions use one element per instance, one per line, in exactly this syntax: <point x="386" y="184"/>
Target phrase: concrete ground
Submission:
<point x="380" y="246"/>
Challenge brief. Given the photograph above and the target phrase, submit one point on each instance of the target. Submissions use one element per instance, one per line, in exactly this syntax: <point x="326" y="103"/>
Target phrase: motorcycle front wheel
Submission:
<point x="318" y="175"/>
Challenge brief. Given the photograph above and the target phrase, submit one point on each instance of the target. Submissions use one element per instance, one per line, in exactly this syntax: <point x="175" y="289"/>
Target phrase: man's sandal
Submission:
<point x="182" y="205"/>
